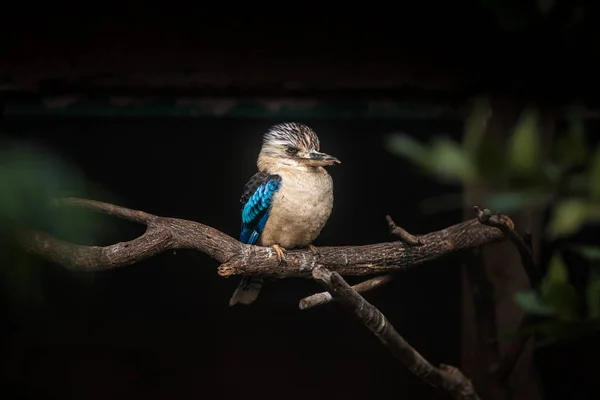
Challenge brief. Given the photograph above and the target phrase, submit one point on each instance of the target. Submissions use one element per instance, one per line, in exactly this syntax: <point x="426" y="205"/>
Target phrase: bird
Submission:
<point x="286" y="204"/>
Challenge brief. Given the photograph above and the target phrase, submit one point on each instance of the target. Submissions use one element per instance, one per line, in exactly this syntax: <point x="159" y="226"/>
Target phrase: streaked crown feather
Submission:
<point x="292" y="134"/>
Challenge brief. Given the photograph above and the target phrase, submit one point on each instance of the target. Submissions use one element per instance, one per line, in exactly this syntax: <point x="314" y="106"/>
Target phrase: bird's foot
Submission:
<point x="313" y="250"/>
<point x="280" y="252"/>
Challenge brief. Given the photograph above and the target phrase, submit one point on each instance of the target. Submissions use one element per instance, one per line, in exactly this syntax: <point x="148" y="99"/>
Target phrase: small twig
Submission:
<point x="445" y="377"/>
<point x="318" y="299"/>
<point x="370" y="284"/>
<point x="401" y="233"/>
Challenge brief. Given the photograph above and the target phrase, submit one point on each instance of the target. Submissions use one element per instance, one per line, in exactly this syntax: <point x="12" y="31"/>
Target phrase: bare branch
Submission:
<point x="164" y="234"/>
<point x="318" y="299"/>
<point x="505" y="224"/>
<point x="365" y="286"/>
<point x="506" y="365"/>
<point x="445" y="377"/>
<point x="402" y="234"/>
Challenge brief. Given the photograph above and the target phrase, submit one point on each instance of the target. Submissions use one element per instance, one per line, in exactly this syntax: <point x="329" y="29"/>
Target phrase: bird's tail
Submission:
<point x="247" y="291"/>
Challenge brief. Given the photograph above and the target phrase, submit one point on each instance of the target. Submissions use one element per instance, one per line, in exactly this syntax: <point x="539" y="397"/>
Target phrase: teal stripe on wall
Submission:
<point x="225" y="108"/>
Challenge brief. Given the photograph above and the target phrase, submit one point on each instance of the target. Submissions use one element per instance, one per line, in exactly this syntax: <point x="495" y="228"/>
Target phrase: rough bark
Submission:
<point x="164" y="234"/>
<point x="445" y="377"/>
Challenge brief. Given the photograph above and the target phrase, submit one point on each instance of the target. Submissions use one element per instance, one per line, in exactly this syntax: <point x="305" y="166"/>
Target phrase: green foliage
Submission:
<point x="571" y="149"/>
<point x="444" y="158"/>
<point x="568" y="216"/>
<point x="594" y="176"/>
<point x="406" y="147"/>
<point x="30" y="177"/>
<point x="525" y="145"/>
<point x="510" y="202"/>
<point x="475" y="126"/>
<point x="556" y="296"/>
<point x="449" y="161"/>
<point x="590" y="252"/>
<point x="558" y="293"/>
<point x="525" y="176"/>
<point x="532" y="303"/>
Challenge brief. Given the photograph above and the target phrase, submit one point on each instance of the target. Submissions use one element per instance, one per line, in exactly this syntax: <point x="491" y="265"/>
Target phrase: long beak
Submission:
<point x="320" y="159"/>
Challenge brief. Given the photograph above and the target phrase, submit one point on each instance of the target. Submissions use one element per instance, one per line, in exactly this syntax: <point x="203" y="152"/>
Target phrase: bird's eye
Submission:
<point x="291" y="150"/>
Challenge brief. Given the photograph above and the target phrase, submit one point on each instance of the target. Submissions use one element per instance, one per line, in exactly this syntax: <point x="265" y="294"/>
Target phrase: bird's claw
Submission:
<point x="280" y="252"/>
<point x="313" y="249"/>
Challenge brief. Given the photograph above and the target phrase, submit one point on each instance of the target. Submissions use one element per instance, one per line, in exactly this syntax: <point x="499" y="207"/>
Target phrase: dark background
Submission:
<point x="162" y="328"/>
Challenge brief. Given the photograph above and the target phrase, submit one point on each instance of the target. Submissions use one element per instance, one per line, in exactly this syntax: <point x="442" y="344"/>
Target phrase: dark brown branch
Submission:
<point x="506" y="365"/>
<point x="445" y="377"/>
<point x="402" y="234"/>
<point x="164" y="234"/>
<point x="505" y="224"/>
<point x="318" y="299"/>
<point x="370" y="284"/>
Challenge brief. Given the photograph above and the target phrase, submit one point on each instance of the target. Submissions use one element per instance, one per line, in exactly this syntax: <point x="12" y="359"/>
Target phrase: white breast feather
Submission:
<point x="300" y="210"/>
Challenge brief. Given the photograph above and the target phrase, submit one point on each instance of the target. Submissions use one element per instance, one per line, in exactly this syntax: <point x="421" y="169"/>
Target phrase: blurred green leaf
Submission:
<point x="563" y="298"/>
<point x="525" y="143"/>
<point x="475" y="127"/>
<point x="552" y="173"/>
<point x="406" y="147"/>
<point x="568" y="216"/>
<point x="30" y="177"/>
<point x="557" y="292"/>
<point x="510" y="202"/>
<point x="594" y="175"/>
<point x="532" y="303"/>
<point x="557" y="272"/>
<point x="448" y="160"/>
<point x="491" y="160"/>
<point x="571" y="149"/>
<point x="444" y="158"/>
<point x="592" y="253"/>
<point x="592" y="293"/>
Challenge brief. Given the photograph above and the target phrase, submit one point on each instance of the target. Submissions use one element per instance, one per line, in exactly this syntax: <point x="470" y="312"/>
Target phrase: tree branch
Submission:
<point x="164" y="234"/>
<point x="318" y="299"/>
<point x="402" y="234"/>
<point x="506" y="365"/>
<point x="445" y="377"/>
<point x="522" y="245"/>
<point x="370" y="284"/>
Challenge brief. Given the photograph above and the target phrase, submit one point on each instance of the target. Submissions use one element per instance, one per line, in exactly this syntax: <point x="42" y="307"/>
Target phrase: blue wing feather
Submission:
<point x="257" y="200"/>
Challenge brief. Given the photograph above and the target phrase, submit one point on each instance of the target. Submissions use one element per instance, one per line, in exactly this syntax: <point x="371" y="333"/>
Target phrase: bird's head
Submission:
<point x="293" y="145"/>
